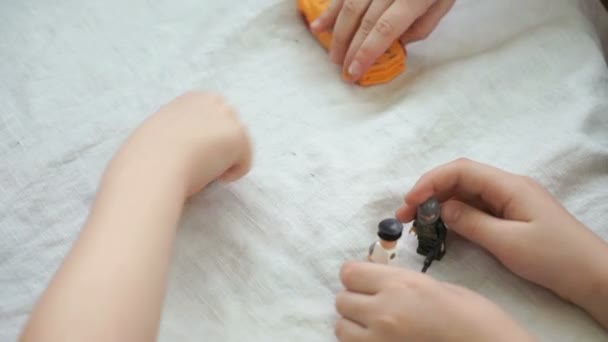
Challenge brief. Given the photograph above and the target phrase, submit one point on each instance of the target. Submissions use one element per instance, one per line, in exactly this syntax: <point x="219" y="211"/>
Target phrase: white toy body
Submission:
<point x="378" y="254"/>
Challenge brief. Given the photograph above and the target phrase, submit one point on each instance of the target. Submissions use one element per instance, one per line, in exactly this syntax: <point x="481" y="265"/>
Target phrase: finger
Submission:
<point x="503" y="192"/>
<point x="243" y="163"/>
<point x="405" y="213"/>
<point x="354" y="306"/>
<point x="369" y="278"/>
<point x="365" y="278"/>
<point x="474" y="201"/>
<point x="397" y="18"/>
<point x="374" y="12"/>
<point x="455" y="289"/>
<point x="346" y="25"/>
<point x="327" y="19"/>
<point x="349" y="331"/>
<point x="427" y="23"/>
<point x="236" y="172"/>
<point x="486" y="230"/>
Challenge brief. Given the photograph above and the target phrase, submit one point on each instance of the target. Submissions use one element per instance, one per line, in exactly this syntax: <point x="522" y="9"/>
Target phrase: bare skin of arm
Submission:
<point x="112" y="284"/>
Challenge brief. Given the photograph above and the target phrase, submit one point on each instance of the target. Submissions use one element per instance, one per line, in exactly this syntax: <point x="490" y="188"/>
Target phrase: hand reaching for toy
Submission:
<point x="201" y="135"/>
<point x="384" y="303"/>
<point x="519" y="222"/>
<point x="364" y="29"/>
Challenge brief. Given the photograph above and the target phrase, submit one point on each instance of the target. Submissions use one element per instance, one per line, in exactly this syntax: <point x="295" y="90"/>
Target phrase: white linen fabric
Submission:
<point x="521" y="85"/>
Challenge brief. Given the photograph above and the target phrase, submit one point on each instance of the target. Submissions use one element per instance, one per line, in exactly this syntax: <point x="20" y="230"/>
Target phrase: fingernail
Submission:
<point x="451" y="212"/>
<point x="315" y="24"/>
<point x="355" y="70"/>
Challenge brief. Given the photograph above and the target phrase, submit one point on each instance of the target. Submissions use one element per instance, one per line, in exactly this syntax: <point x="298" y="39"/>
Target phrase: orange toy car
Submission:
<point x="386" y="68"/>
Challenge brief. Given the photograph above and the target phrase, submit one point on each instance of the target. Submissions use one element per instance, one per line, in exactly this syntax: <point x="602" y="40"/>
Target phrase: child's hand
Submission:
<point x="383" y="303"/>
<point x="201" y="136"/>
<point x="364" y="29"/>
<point x="188" y="143"/>
<point x="519" y="222"/>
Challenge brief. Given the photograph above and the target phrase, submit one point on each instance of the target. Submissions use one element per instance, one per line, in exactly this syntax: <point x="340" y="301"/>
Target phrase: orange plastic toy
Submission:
<point x="386" y="68"/>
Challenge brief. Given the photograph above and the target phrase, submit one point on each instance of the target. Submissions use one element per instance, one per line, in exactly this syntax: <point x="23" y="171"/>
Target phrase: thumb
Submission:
<point x="241" y="166"/>
<point x="234" y="173"/>
<point x="476" y="225"/>
<point x="426" y="24"/>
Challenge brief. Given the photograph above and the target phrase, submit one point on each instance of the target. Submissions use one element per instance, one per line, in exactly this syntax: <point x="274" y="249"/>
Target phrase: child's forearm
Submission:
<point x="112" y="284"/>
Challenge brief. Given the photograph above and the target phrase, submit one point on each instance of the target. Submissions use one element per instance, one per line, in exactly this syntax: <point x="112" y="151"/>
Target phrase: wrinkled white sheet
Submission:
<point x="522" y="85"/>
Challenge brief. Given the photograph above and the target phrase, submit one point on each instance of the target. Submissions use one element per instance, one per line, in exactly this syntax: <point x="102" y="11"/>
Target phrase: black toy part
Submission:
<point x="390" y="229"/>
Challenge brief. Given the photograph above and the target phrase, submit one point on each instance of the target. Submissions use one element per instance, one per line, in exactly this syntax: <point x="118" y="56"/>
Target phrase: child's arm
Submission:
<point x="513" y="218"/>
<point x="524" y="226"/>
<point x="112" y="284"/>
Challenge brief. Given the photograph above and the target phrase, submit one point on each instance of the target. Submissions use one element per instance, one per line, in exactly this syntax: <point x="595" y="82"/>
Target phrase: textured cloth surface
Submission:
<point x="521" y="85"/>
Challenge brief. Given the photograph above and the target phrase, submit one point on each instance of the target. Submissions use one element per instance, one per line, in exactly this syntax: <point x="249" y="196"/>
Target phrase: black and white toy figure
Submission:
<point x="384" y="251"/>
<point x="431" y="232"/>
